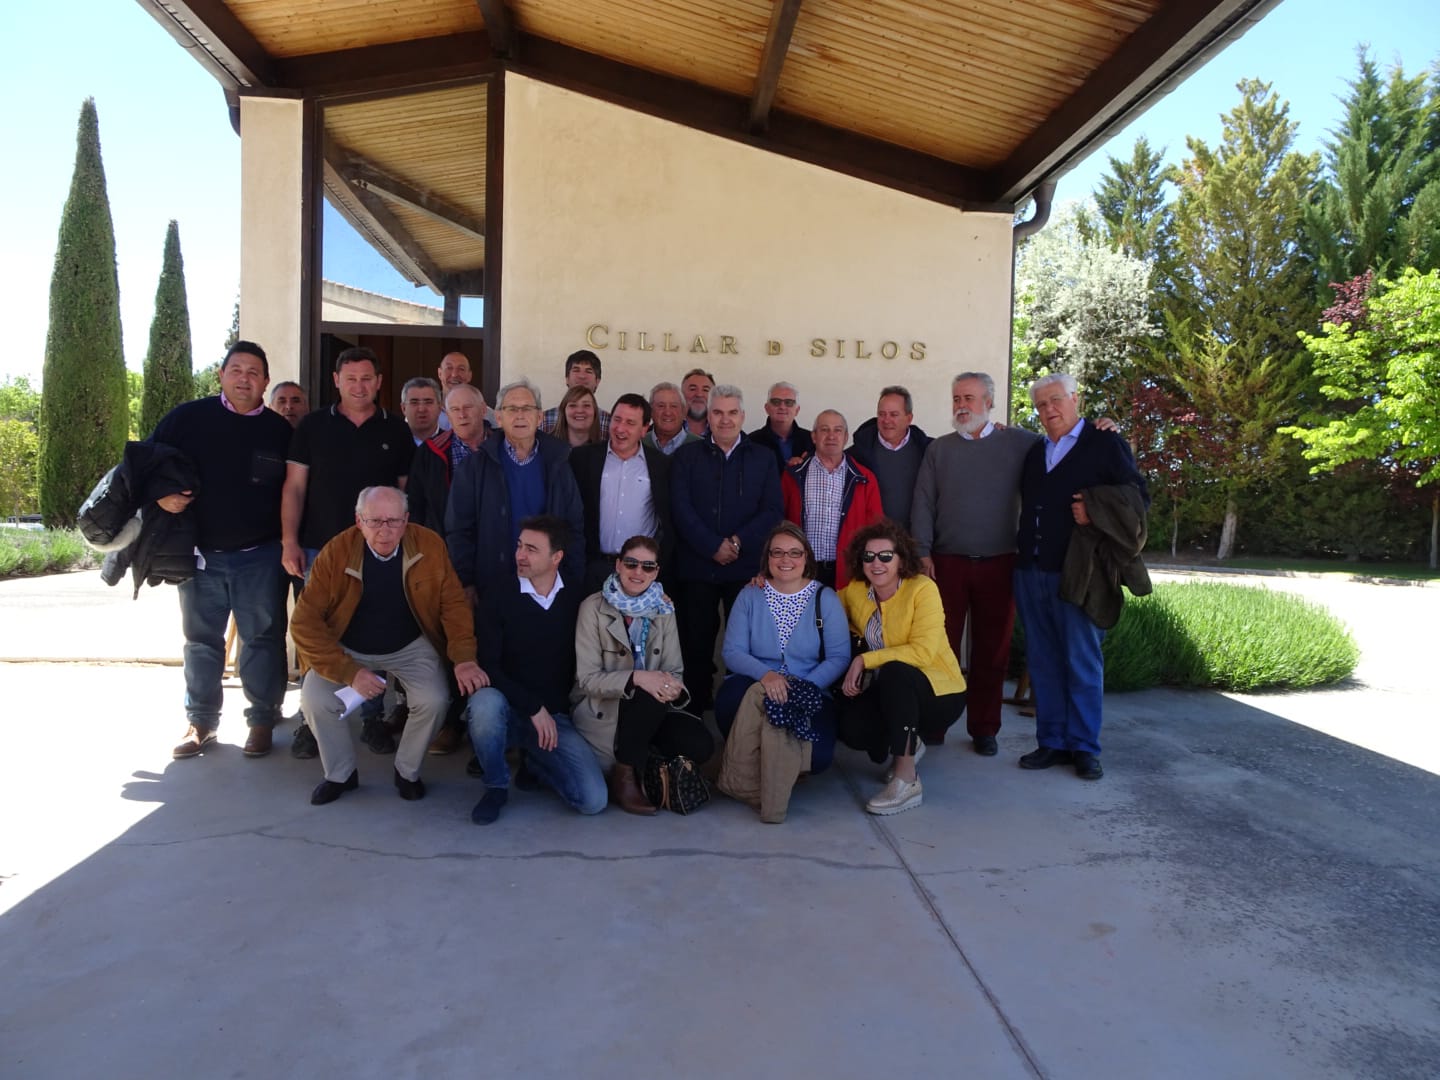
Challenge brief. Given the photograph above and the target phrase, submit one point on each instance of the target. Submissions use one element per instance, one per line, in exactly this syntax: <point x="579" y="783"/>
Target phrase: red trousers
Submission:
<point x="982" y="588"/>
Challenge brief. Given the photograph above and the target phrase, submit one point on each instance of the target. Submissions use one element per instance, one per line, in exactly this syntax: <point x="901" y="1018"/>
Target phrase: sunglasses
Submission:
<point x="782" y="402"/>
<point x="648" y="565"/>
<point x="871" y="556"/>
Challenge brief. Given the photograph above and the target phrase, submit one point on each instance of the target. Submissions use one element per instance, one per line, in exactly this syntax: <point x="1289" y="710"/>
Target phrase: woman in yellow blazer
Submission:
<point x="907" y="681"/>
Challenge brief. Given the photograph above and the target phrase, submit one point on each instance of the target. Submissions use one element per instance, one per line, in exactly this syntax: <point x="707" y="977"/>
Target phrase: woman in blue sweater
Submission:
<point x="786" y="644"/>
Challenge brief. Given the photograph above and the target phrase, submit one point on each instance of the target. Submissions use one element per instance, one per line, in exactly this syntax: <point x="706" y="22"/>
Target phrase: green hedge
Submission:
<point x="1225" y="637"/>
<point x="42" y="551"/>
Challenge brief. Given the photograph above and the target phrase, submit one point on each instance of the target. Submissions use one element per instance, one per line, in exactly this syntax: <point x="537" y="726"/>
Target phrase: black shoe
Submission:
<point x="488" y="808"/>
<point x="526" y="780"/>
<point x="986" y="746"/>
<point x="472" y="767"/>
<point x="303" y="744"/>
<point x="1087" y="765"/>
<point x="376" y="735"/>
<point x="1043" y="757"/>
<point x="328" y="790"/>
<point x="410" y="790"/>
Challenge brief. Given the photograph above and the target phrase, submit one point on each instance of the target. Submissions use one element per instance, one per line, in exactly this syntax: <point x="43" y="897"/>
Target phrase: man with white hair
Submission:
<point x="831" y="496"/>
<point x="1074" y="463"/>
<point x="668" y="431"/>
<point x="436" y="458"/>
<point x="382" y="596"/>
<point x="964" y="514"/>
<point x="787" y="440"/>
<point x="724" y="499"/>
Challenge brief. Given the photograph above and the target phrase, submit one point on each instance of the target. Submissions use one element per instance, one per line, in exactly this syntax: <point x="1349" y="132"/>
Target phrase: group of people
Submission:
<point x="548" y="586"/>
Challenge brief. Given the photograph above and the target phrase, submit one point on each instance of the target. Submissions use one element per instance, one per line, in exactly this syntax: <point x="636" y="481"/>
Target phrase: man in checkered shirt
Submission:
<point x="831" y="496"/>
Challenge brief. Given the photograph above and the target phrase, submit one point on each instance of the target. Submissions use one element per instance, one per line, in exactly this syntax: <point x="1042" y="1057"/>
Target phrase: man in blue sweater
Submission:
<point x="1062" y="645"/>
<point x="526" y="646"/>
<point x="724" y="500"/>
<point x="238" y="447"/>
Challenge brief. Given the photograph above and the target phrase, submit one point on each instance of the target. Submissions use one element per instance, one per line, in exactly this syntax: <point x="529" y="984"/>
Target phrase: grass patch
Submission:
<point x="1225" y="637"/>
<point x="27" y="552"/>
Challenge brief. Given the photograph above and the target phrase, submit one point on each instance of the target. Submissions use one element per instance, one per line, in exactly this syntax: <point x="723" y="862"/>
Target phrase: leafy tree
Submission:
<point x="19" y="448"/>
<point x="168" y="379"/>
<point x="135" y="383"/>
<point x="207" y="381"/>
<point x="1378" y="206"/>
<point x="1135" y="216"/>
<point x="1085" y="310"/>
<point x="19" y="400"/>
<point x="83" y="419"/>
<point x="1242" y="287"/>
<point x="1386" y="372"/>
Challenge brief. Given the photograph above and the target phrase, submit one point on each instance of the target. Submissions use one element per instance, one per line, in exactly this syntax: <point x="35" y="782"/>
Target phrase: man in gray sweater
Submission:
<point x="964" y="517"/>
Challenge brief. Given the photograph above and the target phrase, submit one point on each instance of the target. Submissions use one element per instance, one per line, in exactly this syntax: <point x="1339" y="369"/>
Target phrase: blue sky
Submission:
<point x="170" y="153"/>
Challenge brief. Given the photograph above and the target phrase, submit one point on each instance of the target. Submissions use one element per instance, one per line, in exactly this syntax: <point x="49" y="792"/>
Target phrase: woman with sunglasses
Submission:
<point x="786" y="644"/>
<point x="628" y="675"/>
<point x="579" y="418"/>
<point x="907" y="679"/>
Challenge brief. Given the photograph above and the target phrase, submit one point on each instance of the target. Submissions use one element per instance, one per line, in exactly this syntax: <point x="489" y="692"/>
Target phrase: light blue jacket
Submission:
<point x="752" y="646"/>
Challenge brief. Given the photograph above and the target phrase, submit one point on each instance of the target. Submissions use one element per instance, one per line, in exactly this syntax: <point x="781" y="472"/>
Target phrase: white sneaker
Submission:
<point x="898" y="795"/>
<point x="919" y="753"/>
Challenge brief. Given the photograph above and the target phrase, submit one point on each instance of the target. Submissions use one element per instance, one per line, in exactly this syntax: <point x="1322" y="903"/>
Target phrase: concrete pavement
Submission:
<point x="1241" y="896"/>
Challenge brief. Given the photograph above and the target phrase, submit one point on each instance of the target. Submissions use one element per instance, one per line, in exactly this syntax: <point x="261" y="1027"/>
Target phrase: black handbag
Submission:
<point x="674" y="784"/>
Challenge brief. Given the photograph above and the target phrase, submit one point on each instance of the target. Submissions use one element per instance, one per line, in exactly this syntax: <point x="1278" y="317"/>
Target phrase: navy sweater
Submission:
<point x="528" y="652"/>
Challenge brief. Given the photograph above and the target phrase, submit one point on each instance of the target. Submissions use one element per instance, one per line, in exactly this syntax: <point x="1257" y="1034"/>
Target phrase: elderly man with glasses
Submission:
<point x="382" y="596"/>
<point x="517" y="473"/>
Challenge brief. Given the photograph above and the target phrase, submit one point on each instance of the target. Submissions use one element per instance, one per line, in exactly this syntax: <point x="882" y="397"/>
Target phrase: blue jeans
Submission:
<point x="251" y="584"/>
<point x="570" y="769"/>
<point x="1067" y="671"/>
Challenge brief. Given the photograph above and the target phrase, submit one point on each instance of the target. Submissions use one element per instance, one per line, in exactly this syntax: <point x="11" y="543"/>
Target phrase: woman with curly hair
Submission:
<point x="907" y="679"/>
<point x="578" y="421"/>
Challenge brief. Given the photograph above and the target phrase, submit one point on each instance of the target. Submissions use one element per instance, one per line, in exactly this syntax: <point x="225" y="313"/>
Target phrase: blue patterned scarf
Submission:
<point x="639" y="610"/>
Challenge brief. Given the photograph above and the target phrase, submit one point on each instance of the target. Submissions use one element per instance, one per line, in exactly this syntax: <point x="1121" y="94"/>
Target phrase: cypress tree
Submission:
<point x="84" y="407"/>
<point x="168" y="378"/>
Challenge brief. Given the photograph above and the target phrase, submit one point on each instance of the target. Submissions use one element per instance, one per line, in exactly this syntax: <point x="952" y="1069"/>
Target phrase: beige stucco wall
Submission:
<point x="618" y="220"/>
<point x="271" y="196"/>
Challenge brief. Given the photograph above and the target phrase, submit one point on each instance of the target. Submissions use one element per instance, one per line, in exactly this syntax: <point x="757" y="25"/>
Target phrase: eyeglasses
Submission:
<point x="382" y="523"/>
<point x="519" y="408"/>
<point x="871" y="556"/>
<point x="787" y="553"/>
<point x="783" y="402"/>
<point x="648" y="565"/>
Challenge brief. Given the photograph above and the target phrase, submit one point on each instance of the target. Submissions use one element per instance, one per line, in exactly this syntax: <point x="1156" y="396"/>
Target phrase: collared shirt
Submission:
<point x="383" y="558"/>
<point x="988" y="429"/>
<point x="343" y="459"/>
<point x="543" y="599"/>
<point x="824" y="492"/>
<point x="627" y="507"/>
<point x="253" y="412"/>
<point x="421" y="438"/>
<point x="510" y="449"/>
<point x="898" y="446"/>
<point x="671" y="445"/>
<point x="459" y="450"/>
<point x="1055" y="451"/>
<point x="733" y="447"/>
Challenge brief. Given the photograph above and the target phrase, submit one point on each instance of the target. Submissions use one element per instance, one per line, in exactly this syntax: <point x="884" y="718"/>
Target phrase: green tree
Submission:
<point x="1243" y="287"/>
<point x="135" y="383"/>
<point x="168" y="378"/>
<point x="1378" y="205"/>
<point x="19" y="447"/>
<point x="1135" y="215"/>
<point x="1384" y="372"/>
<point x="83" y="416"/>
<point x="19" y="400"/>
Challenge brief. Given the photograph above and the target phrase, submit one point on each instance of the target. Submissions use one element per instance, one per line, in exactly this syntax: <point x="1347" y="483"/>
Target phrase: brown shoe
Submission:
<point x="447" y="740"/>
<point x="196" y="739"/>
<point x="626" y="793"/>
<point x="257" y="743"/>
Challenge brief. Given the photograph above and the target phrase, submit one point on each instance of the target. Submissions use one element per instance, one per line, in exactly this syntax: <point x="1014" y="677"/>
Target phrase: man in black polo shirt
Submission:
<point x="335" y="454"/>
<point x="238" y="447"/>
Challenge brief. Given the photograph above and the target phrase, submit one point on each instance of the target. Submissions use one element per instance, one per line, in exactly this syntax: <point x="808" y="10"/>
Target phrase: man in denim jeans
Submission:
<point x="527" y="646"/>
<point x="238" y="447"/>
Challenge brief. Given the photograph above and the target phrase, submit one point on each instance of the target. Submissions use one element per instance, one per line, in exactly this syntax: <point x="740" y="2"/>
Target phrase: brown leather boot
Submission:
<point x="626" y="793"/>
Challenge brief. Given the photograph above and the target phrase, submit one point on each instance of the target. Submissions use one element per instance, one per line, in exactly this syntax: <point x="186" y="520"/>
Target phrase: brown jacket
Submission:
<point x="332" y="594"/>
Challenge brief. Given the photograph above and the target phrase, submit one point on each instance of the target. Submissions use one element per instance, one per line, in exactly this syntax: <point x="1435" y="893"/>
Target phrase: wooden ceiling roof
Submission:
<point x="969" y="102"/>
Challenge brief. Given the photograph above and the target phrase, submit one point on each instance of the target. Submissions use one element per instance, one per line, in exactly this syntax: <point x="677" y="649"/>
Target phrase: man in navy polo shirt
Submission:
<point x="238" y="447"/>
<point x="335" y="454"/>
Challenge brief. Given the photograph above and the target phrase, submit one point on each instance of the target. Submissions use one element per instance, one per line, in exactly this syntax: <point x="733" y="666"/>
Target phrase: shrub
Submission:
<point x="1225" y="637"/>
<point x="30" y="551"/>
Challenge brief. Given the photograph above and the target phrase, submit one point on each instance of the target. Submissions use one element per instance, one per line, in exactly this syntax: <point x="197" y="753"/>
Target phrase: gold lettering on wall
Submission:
<point x="640" y="343"/>
<point x="593" y="341"/>
<point x="889" y="350"/>
<point x="668" y="345"/>
<point x="698" y="345"/>
<point x="727" y="345"/>
<point x="860" y="353"/>
<point x="600" y="336"/>
<point x="917" y="350"/>
<point x="622" y="340"/>
<point x="772" y="348"/>
<point x="817" y="347"/>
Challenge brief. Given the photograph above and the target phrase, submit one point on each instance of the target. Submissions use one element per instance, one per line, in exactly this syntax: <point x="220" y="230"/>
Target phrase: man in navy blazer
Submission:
<point x="1062" y="645"/>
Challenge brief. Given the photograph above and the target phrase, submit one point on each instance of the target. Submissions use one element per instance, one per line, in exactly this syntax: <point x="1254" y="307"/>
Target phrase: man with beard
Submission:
<point x="696" y="387"/>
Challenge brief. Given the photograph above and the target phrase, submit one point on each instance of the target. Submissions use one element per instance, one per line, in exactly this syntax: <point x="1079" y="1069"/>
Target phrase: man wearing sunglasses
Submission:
<point x="625" y="488"/>
<point x="790" y="443"/>
<point x="382" y="596"/>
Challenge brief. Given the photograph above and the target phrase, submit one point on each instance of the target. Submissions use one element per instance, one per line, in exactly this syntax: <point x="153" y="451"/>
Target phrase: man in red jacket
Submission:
<point x="831" y="496"/>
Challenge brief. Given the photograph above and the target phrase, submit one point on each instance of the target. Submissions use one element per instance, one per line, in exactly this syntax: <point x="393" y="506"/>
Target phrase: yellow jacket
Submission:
<point x="332" y="594"/>
<point x="913" y="621"/>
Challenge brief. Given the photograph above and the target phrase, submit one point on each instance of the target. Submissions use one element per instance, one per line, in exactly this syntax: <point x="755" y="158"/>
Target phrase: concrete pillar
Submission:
<point x="272" y="230"/>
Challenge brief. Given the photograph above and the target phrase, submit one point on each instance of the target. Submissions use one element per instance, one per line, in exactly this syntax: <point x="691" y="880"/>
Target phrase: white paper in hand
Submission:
<point x="351" y="698"/>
